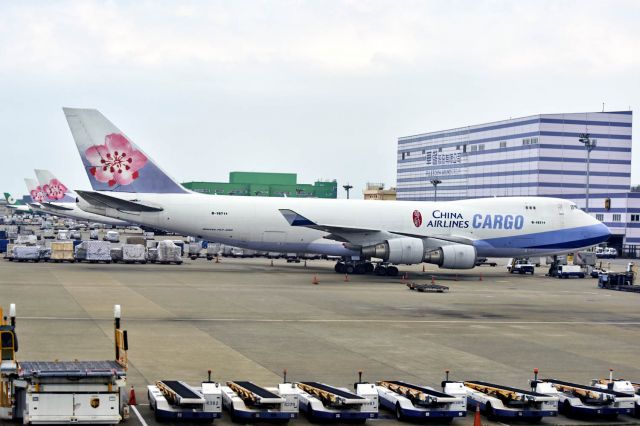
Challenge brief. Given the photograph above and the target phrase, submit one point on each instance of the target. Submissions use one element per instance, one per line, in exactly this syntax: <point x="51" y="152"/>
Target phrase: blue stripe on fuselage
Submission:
<point x="562" y="239"/>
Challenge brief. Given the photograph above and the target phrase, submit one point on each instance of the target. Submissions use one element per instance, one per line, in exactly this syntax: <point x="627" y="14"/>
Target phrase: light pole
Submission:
<point x="435" y="183"/>
<point x="589" y="144"/>
<point x="347" y="188"/>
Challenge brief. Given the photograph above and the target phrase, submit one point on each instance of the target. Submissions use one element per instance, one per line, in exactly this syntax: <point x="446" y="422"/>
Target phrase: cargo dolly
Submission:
<point x="428" y="288"/>
<point x="174" y="400"/>
<point x="586" y="401"/>
<point x="410" y="402"/>
<point x="320" y="401"/>
<point x="622" y="386"/>
<point x="499" y="401"/>
<point x="246" y="401"/>
<point x="46" y="392"/>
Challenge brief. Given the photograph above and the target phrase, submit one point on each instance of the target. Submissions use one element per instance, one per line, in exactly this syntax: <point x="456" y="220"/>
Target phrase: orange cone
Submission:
<point x="315" y="280"/>
<point x="476" y="419"/>
<point x="481" y="277"/>
<point x="132" y="396"/>
<point x="433" y="280"/>
<point x="346" y="278"/>
<point x="217" y="259"/>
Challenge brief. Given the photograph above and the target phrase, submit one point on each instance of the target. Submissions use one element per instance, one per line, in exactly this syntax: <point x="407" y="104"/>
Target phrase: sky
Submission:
<point x="318" y="88"/>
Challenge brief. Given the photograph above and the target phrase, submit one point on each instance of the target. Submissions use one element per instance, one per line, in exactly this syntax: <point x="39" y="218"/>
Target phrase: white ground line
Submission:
<point x="135" y="410"/>
<point x="338" y="320"/>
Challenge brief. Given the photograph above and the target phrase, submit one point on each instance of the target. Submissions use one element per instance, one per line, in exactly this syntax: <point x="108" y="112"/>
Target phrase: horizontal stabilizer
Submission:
<point x="57" y="207"/>
<point x="103" y="200"/>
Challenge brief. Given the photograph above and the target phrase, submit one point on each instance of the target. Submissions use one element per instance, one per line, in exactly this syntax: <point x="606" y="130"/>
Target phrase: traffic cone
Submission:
<point x="132" y="396"/>
<point x="272" y="262"/>
<point x="217" y="259"/>
<point x="305" y="263"/>
<point x="433" y="280"/>
<point x="481" y="277"/>
<point x="476" y="418"/>
<point x="346" y="278"/>
<point x="423" y="270"/>
<point x="315" y="280"/>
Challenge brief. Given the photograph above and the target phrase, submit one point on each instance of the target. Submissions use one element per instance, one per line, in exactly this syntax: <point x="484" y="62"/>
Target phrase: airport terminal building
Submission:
<point x="538" y="155"/>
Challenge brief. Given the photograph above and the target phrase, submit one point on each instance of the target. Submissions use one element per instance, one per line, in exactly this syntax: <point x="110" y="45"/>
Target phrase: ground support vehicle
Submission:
<point x="570" y="271"/>
<point x="62" y="392"/>
<point x="322" y="402"/>
<point x="586" y="401"/>
<point x="622" y="281"/>
<point x="409" y="401"/>
<point x="174" y="400"/>
<point x="622" y="386"/>
<point x="428" y="288"/>
<point x="501" y="402"/>
<point x="246" y="401"/>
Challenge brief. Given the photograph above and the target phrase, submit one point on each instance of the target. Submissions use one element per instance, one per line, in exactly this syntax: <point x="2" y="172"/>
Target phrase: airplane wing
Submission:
<point x="103" y="200"/>
<point x="362" y="236"/>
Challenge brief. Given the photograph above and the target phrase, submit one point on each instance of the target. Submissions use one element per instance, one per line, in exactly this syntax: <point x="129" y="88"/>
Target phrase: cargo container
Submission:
<point x="93" y="251"/>
<point x="62" y="251"/>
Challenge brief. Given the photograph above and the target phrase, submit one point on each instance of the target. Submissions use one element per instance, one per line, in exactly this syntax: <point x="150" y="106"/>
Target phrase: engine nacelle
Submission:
<point x="454" y="256"/>
<point x="405" y="250"/>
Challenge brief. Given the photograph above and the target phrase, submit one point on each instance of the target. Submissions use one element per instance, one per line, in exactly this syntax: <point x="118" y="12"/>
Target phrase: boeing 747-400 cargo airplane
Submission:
<point x="128" y="185"/>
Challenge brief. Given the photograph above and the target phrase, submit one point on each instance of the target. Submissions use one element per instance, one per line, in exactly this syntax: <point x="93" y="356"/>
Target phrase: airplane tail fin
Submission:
<point x="53" y="189"/>
<point x="10" y="200"/>
<point x="35" y="190"/>
<point x="112" y="161"/>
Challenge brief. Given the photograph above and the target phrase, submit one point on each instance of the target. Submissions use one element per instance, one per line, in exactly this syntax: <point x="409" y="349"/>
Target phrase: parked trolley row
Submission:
<point x="91" y="392"/>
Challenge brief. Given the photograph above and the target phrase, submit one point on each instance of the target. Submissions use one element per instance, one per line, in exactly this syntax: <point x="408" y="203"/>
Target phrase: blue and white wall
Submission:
<point x="536" y="155"/>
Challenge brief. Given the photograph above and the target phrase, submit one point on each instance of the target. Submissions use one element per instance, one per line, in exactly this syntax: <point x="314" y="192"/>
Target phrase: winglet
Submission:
<point x="296" y="219"/>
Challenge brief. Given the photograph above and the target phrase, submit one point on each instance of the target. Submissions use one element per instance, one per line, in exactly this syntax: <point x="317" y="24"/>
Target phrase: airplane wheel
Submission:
<point x="360" y="269"/>
<point x="368" y="267"/>
<point x="392" y="271"/>
<point x="381" y="270"/>
<point x="339" y="268"/>
<point x="349" y="269"/>
<point x="488" y="412"/>
<point x="399" y="415"/>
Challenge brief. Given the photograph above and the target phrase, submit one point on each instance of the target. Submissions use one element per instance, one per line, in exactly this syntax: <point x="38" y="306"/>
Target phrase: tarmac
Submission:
<point x="245" y="319"/>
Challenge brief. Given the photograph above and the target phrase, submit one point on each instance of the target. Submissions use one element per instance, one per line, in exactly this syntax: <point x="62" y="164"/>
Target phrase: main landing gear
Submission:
<point x="365" y="267"/>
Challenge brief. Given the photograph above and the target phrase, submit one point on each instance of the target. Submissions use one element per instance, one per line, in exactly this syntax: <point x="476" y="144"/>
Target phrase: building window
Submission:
<point x="408" y="154"/>
<point x="440" y="149"/>
<point x="617" y="217"/>
<point x="464" y="148"/>
<point x="526" y="141"/>
<point x="534" y="140"/>
<point x="600" y="216"/>
<point x="635" y="218"/>
<point x="474" y="148"/>
<point x="423" y="151"/>
<point x="503" y="144"/>
<point x="403" y="155"/>
<point x="457" y="147"/>
<point x="481" y="147"/>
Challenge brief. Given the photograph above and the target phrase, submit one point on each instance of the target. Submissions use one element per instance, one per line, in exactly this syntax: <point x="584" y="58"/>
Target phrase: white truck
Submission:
<point x="570" y="271"/>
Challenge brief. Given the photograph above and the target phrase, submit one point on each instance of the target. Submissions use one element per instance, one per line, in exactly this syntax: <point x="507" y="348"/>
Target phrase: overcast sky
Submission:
<point x="319" y="88"/>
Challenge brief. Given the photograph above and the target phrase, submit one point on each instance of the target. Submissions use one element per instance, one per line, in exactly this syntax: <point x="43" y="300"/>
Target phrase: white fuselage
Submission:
<point x="72" y="211"/>
<point x="510" y="226"/>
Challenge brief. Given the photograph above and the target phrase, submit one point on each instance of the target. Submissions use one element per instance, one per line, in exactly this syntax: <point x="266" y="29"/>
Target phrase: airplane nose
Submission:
<point x="601" y="232"/>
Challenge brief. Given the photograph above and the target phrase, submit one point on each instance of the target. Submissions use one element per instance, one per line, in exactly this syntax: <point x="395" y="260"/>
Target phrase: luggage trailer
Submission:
<point x="586" y="401"/>
<point x="174" y="400"/>
<point x="499" y="401"/>
<point x="47" y="392"/>
<point x="410" y="401"/>
<point x="320" y="401"/>
<point x="245" y="401"/>
<point x="623" y="386"/>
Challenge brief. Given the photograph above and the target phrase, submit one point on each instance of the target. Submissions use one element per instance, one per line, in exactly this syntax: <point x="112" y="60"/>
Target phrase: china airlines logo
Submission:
<point x="417" y="218"/>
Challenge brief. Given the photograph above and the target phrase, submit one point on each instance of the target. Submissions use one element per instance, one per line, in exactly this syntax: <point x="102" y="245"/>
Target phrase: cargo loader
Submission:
<point x="622" y="386"/>
<point x="322" y="402"/>
<point x="583" y="401"/>
<point x="501" y="402"/>
<point x="413" y="402"/>
<point x="246" y="401"/>
<point x="174" y="400"/>
<point x="62" y="392"/>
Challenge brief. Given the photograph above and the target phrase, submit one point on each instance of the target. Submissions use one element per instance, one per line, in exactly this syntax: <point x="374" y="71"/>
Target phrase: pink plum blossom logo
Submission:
<point x="417" y="218"/>
<point x="37" y="194"/>
<point x="115" y="162"/>
<point x="55" y="190"/>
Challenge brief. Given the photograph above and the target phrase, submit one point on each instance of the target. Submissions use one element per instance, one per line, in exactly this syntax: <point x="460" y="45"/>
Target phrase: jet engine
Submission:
<point x="408" y="250"/>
